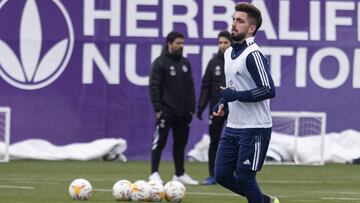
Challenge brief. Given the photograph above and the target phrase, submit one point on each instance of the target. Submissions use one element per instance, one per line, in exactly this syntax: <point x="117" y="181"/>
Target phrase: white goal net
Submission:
<point x="298" y="138"/>
<point x="4" y="133"/>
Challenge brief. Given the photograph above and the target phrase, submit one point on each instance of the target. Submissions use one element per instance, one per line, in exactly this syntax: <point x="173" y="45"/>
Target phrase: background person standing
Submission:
<point x="213" y="79"/>
<point x="173" y="98"/>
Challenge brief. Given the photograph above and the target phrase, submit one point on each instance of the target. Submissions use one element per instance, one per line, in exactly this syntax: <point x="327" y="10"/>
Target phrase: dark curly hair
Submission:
<point x="253" y="12"/>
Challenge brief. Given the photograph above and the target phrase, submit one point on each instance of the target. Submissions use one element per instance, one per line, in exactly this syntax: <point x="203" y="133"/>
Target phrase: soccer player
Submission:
<point x="210" y="91"/>
<point x="249" y="86"/>
<point x="173" y="97"/>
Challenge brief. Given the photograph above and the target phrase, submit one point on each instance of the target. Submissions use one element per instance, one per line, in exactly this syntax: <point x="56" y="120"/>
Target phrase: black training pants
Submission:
<point x="216" y="125"/>
<point x="180" y="126"/>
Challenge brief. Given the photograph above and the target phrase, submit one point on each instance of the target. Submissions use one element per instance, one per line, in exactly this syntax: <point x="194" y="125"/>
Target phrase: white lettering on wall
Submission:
<point x="210" y="17"/>
<point x="130" y="67"/>
<point x="358" y="21"/>
<point x="315" y="68"/>
<point x="133" y="16"/>
<point x="356" y="72"/>
<point x="301" y="64"/>
<point x="332" y="20"/>
<point x="284" y="24"/>
<point x="325" y="20"/>
<point x="267" y="25"/>
<point x="110" y="71"/>
<point x="191" y="49"/>
<point x="169" y="17"/>
<point x="208" y="52"/>
<point x="155" y="51"/>
<point x="315" y="20"/>
<point x="275" y="54"/>
<point x="91" y="15"/>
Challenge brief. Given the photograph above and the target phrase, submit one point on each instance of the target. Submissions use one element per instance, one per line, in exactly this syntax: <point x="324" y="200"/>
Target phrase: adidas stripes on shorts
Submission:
<point x="243" y="148"/>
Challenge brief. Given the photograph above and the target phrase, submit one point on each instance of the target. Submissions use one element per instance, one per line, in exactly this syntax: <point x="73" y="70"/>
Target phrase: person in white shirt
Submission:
<point x="249" y="88"/>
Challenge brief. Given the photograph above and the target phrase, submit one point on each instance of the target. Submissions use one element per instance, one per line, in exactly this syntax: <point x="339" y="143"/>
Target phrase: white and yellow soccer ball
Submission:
<point x="140" y="191"/>
<point x="121" y="190"/>
<point x="156" y="191"/>
<point x="174" y="191"/>
<point x="80" y="189"/>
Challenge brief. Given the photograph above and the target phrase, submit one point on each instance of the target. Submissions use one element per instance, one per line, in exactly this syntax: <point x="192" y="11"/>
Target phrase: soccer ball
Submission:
<point x="121" y="190"/>
<point x="80" y="189"/>
<point x="140" y="191"/>
<point x="174" y="191"/>
<point x="156" y="191"/>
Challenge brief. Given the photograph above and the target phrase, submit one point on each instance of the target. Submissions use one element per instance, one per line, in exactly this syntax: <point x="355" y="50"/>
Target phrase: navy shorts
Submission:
<point x="243" y="148"/>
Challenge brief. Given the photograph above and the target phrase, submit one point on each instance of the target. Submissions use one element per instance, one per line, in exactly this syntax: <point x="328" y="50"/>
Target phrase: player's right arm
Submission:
<point x="205" y="92"/>
<point x="155" y="84"/>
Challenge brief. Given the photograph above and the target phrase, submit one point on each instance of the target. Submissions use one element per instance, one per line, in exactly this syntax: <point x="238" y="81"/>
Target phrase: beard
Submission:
<point x="178" y="52"/>
<point x="238" y="37"/>
<point x="175" y="54"/>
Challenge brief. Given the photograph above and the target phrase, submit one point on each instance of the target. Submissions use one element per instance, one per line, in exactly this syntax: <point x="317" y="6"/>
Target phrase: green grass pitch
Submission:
<point x="29" y="181"/>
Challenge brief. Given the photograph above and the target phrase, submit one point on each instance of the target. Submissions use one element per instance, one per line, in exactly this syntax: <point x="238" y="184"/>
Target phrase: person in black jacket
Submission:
<point x="210" y="91"/>
<point x="173" y="98"/>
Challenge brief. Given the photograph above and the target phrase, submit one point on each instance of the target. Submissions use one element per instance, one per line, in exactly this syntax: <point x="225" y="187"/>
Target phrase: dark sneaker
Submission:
<point x="209" y="181"/>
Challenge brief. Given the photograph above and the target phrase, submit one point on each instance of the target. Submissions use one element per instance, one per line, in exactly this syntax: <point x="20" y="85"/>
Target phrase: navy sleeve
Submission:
<point x="258" y="68"/>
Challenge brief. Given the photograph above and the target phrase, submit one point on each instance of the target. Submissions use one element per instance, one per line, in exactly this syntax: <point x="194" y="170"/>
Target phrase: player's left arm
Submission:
<point x="191" y="90"/>
<point x="258" y="68"/>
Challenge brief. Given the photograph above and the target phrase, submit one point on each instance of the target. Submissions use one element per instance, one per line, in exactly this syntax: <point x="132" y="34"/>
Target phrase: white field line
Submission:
<point x="341" y="198"/>
<point x="190" y="193"/>
<point x="35" y="182"/>
<point x="327" y="200"/>
<point x="52" y="181"/>
<point x="213" y="194"/>
<point x="30" y="181"/>
<point x="102" y="190"/>
<point x="325" y="193"/>
<point x="20" y="179"/>
<point x="235" y="195"/>
<point x="198" y="193"/>
<point x="17" y="187"/>
<point x="303" y="182"/>
<point x="337" y="192"/>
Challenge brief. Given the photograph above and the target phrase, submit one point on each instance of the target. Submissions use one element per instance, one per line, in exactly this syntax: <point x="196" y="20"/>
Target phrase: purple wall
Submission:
<point x="76" y="70"/>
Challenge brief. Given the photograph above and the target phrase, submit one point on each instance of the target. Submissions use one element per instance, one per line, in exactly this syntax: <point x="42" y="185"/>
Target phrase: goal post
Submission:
<point x="5" y="113"/>
<point x="299" y="136"/>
